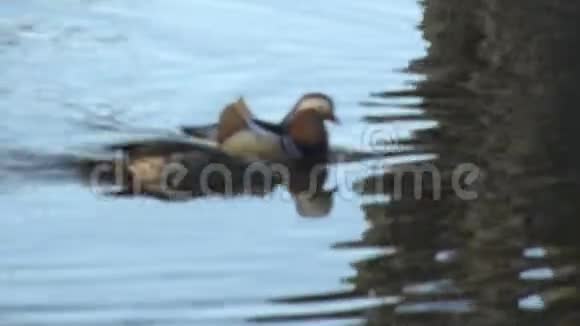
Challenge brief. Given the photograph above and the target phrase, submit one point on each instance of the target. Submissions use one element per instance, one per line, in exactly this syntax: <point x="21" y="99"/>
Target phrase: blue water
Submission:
<point x="71" y="257"/>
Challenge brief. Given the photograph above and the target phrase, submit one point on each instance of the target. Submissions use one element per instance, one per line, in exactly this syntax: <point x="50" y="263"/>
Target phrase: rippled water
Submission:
<point x="473" y="221"/>
<point x="70" y="257"/>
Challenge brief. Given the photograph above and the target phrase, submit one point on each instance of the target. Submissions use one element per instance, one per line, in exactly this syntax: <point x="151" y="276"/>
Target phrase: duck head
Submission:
<point x="308" y="133"/>
<point x="319" y="102"/>
<point x="305" y="125"/>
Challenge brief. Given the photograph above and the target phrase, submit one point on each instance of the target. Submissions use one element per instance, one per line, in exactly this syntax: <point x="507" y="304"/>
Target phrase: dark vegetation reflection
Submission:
<point x="501" y="81"/>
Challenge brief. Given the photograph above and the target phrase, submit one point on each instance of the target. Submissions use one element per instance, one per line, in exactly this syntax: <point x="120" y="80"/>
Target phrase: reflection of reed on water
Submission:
<point x="501" y="81"/>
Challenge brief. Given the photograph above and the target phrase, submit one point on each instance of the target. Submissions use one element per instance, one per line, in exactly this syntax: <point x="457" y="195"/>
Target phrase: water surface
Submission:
<point x="70" y="257"/>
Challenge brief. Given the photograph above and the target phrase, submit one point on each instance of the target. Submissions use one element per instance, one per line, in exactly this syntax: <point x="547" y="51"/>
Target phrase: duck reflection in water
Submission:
<point x="244" y="160"/>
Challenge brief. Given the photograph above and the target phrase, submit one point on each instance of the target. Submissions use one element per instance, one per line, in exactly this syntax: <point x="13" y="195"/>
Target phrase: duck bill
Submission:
<point x="335" y="120"/>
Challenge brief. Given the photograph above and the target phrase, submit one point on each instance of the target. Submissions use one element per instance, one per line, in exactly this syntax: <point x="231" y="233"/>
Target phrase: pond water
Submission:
<point x="471" y="221"/>
<point x="72" y="257"/>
